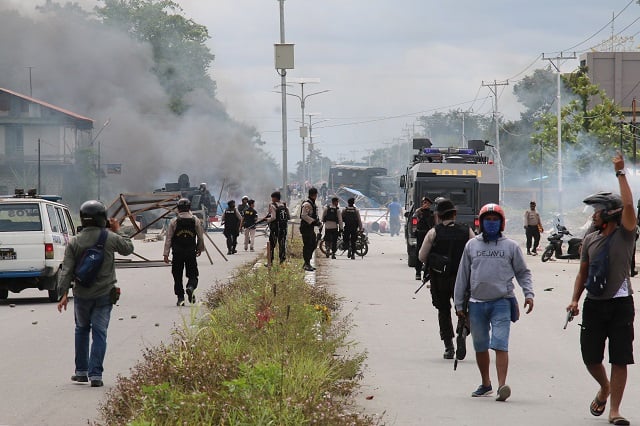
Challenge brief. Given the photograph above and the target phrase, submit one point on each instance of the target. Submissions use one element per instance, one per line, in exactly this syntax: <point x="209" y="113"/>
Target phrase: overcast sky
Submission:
<point x="387" y="62"/>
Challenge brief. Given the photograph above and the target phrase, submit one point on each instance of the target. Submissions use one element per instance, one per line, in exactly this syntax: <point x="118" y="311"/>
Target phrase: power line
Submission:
<point x="600" y="30"/>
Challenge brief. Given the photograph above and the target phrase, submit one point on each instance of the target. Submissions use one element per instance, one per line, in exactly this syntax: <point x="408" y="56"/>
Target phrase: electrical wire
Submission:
<point x="615" y="35"/>
<point x="601" y="29"/>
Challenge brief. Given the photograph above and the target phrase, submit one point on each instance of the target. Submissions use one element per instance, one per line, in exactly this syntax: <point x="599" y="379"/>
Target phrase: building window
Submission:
<point x="14" y="142"/>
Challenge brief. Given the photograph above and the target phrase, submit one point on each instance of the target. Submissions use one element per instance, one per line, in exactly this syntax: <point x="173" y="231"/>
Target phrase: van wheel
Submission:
<point x="54" y="293"/>
<point x="4" y="293"/>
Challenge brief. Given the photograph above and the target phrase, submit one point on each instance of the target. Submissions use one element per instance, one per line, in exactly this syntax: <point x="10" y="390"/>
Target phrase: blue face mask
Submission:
<point x="491" y="228"/>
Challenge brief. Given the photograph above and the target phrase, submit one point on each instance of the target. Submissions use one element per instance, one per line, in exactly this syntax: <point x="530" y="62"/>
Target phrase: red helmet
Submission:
<point x="492" y="208"/>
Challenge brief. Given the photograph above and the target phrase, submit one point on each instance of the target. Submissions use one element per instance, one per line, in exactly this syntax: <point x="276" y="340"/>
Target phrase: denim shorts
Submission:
<point x="490" y="325"/>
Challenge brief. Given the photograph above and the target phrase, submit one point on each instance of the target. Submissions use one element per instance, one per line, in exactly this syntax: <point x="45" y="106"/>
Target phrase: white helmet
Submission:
<point x="245" y="197"/>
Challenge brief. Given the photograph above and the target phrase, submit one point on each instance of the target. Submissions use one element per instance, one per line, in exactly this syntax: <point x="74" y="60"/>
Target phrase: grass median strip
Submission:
<point x="266" y="348"/>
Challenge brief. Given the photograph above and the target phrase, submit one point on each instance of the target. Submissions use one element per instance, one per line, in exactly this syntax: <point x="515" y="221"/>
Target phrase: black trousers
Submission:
<point x="181" y="260"/>
<point x="232" y="239"/>
<point x="419" y="240"/>
<point x="279" y="239"/>
<point x="532" y="232"/>
<point x="308" y="243"/>
<point x="441" y="295"/>
<point x="350" y="236"/>
<point x="331" y="240"/>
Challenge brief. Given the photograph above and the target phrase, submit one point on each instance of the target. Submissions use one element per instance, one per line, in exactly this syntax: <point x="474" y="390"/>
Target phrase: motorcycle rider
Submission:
<point x="352" y="226"/>
<point x="426" y="221"/>
<point x="531" y="227"/>
<point x="332" y="219"/>
<point x="443" y="246"/>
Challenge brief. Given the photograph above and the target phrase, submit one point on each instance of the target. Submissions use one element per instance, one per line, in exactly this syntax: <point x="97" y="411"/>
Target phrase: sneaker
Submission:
<point x="251" y="249"/>
<point x="97" y="383"/>
<point x="308" y="267"/>
<point x="418" y="276"/>
<point x="448" y="353"/>
<point x="482" y="391"/>
<point x="529" y="252"/>
<point x="180" y="301"/>
<point x="190" y="296"/>
<point x="534" y="253"/>
<point x="333" y="256"/>
<point x="79" y="379"/>
<point x="504" y="392"/>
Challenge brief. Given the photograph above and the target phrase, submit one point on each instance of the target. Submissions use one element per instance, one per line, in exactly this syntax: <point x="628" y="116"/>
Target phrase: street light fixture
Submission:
<point x="302" y="98"/>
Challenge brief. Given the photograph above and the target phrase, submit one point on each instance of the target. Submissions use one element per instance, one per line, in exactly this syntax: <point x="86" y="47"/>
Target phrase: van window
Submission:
<point x="53" y="219"/>
<point x="67" y="217"/>
<point x="63" y="224"/>
<point x="20" y="217"/>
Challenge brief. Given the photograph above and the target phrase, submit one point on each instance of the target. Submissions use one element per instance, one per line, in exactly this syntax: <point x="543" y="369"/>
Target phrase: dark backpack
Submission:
<point x="282" y="218"/>
<point x="90" y="261"/>
<point x="349" y="217"/>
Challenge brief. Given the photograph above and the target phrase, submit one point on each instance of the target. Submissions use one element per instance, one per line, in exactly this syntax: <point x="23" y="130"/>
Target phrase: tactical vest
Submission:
<point x="332" y="214"/>
<point x="304" y="226"/>
<point x="350" y="217"/>
<point x="184" y="237"/>
<point x="450" y="241"/>
<point x="230" y="219"/>
<point x="249" y="215"/>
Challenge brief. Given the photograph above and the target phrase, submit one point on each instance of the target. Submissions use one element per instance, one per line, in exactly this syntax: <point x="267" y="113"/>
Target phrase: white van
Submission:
<point x="34" y="232"/>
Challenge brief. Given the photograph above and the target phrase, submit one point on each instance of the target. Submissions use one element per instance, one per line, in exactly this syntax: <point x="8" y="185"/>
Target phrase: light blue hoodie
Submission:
<point x="488" y="269"/>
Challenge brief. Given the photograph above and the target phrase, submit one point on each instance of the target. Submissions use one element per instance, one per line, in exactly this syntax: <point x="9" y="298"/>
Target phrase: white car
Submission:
<point x="34" y="232"/>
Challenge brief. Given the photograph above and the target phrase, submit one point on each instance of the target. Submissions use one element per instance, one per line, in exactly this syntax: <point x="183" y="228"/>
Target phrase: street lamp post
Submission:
<point x="303" y="129"/>
<point x="311" y="124"/>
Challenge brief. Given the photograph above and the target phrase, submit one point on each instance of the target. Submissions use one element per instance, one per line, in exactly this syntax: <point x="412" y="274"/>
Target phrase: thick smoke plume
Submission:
<point x="80" y="65"/>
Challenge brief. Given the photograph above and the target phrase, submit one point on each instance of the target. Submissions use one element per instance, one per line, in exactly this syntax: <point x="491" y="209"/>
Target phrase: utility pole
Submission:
<point x="493" y="87"/>
<point x="555" y="62"/>
<point x="634" y="133"/>
<point x="283" y="61"/>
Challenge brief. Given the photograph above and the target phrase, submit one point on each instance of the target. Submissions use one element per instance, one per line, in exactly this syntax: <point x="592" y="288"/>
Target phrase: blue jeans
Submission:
<point x="91" y="315"/>
<point x="490" y="324"/>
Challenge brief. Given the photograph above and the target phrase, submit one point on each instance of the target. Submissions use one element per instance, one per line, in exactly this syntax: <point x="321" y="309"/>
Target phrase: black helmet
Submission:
<point x="609" y="203"/>
<point x="184" y="205"/>
<point x="93" y="213"/>
<point x="445" y="206"/>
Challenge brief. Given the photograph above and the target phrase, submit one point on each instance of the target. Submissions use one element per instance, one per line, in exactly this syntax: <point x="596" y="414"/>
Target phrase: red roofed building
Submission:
<point x="38" y="143"/>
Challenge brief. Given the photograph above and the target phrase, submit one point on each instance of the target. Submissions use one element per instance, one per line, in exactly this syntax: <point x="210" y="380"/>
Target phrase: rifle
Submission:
<point x="463" y="329"/>
<point x="569" y="318"/>
<point x="425" y="279"/>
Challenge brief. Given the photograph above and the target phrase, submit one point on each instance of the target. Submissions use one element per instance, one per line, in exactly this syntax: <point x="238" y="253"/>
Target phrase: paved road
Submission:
<point x="412" y="384"/>
<point x="36" y="350"/>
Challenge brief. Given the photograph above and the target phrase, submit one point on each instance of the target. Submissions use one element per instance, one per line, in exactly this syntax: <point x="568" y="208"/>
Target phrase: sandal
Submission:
<point x="597" y="407"/>
<point x="619" y="421"/>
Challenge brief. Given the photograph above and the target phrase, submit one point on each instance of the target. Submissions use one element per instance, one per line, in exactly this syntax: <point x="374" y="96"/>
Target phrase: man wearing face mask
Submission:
<point x="489" y="263"/>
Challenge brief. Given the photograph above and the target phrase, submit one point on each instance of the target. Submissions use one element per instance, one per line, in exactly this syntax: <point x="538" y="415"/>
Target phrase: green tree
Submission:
<point x="182" y="59"/>
<point x="590" y="127"/>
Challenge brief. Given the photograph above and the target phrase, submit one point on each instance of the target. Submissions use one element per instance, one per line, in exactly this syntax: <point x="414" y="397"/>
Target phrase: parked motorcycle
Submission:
<point x="554" y="248"/>
<point x="362" y="244"/>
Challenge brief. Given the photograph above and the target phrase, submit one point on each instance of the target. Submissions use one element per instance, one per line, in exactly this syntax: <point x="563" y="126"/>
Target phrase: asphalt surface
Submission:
<point x="407" y="381"/>
<point x="37" y="342"/>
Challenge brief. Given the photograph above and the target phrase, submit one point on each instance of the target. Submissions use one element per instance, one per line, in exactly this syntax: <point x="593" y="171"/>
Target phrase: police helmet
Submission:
<point x="245" y="197"/>
<point x="609" y="203"/>
<point x="203" y="186"/>
<point x="184" y="205"/>
<point x="93" y="213"/>
<point x="445" y="206"/>
<point x="231" y="203"/>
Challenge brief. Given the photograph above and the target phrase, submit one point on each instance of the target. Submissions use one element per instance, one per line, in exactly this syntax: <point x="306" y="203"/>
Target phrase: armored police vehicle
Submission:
<point x="463" y="175"/>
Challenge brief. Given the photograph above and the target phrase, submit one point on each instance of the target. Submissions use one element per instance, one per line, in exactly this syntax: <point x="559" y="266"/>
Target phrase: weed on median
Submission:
<point x="263" y="350"/>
